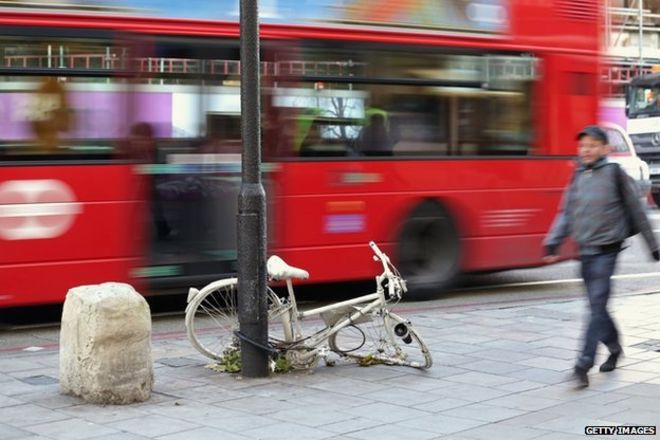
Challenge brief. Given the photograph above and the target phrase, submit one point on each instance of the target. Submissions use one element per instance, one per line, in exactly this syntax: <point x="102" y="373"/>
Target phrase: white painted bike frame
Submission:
<point x="292" y="318"/>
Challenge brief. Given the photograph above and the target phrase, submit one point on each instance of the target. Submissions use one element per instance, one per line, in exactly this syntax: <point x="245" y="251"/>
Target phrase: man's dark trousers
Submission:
<point x="596" y="272"/>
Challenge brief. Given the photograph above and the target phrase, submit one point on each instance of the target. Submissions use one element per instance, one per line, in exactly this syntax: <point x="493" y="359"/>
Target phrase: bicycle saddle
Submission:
<point x="279" y="270"/>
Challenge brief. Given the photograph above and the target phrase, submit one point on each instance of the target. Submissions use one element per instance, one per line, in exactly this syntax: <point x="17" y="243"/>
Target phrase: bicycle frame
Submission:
<point x="292" y="318"/>
<point x="372" y="330"/>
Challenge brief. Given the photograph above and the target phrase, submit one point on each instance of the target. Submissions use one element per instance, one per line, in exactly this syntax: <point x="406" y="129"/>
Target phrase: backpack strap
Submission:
<point x="620" y="182"/>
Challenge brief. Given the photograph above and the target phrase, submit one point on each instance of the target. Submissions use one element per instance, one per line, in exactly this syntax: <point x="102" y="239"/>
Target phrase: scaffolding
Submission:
<point x="632" y="44"/>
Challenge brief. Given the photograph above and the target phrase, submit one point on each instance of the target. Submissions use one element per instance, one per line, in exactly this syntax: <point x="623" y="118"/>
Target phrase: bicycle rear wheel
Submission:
<point x="212" y="318"/>
<point x="382" y="337"/>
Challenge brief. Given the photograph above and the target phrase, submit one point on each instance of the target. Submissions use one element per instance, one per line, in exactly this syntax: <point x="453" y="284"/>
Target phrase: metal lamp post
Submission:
<point x="252" y="306"/>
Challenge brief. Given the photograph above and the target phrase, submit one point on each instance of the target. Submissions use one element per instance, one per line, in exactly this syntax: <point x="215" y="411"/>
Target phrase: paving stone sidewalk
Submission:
<point x="498" y="373"/>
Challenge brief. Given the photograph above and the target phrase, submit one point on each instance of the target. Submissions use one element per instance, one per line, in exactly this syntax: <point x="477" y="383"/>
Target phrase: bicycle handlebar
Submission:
<point x="396" y="285"/>
<point x="381" y="256"/>
<point x="375" y="248"/>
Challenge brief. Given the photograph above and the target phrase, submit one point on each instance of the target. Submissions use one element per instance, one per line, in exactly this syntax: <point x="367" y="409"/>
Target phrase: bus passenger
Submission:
<point x="312" y="139"/>
<point x="375" y="138"/>
<point x="142" y="147"/>
<point x="50" y="114"/>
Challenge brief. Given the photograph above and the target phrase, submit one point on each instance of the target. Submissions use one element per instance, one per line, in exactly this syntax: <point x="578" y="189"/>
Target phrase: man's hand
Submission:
<point x="549" y="259"/>
<point x="656" y="255"/>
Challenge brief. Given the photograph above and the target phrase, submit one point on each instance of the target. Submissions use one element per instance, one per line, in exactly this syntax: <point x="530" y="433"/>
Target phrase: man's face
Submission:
<point x="590" y="149"/>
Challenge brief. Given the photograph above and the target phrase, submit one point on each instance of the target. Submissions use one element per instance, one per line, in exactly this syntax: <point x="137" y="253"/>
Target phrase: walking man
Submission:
<point x="600" y="209"/>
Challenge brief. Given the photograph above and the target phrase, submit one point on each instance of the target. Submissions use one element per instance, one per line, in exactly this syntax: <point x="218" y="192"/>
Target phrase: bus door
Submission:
<point x="190" y="89"/>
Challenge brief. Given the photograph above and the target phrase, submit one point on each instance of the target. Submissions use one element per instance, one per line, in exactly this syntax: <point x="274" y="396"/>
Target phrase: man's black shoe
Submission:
<point x="580" y="376"/>
<point x="610" y="363"/>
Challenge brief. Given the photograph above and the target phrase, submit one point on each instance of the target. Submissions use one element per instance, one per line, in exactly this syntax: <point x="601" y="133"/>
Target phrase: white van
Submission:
<point x="623" y="153"/>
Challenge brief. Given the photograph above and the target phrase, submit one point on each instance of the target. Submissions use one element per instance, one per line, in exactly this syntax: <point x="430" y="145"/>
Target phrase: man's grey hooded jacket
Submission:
<point x="594" y="214"/>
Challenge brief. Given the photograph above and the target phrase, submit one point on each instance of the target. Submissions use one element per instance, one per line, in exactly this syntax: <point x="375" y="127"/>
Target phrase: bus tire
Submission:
<point x="429" y="250"/>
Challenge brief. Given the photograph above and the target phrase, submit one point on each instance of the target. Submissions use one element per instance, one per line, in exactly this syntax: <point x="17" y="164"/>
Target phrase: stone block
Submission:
<point x="105" y="344"/>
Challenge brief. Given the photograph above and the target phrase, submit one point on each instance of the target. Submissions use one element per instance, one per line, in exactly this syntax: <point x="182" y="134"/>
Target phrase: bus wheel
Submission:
<point x="428" y="251"/>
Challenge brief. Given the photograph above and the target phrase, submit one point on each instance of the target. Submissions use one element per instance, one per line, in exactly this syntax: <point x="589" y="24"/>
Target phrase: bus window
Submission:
<point x="224" y="133"/>
<point x="401" y="103"/>
<point x="71" y="113"/>
<point x="494" y="125"/>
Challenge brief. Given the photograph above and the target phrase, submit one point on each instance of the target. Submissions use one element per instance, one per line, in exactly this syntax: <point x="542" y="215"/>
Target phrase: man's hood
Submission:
<point x="597" y="164"/>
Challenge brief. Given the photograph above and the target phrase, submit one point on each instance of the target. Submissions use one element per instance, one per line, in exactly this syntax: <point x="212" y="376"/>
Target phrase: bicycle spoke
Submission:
<point x="376" y="341"/>
<point x="212" y="318"/>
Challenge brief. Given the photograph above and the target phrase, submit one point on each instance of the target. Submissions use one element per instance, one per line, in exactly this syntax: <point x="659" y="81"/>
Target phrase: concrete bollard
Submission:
<point x="105" y="344"/>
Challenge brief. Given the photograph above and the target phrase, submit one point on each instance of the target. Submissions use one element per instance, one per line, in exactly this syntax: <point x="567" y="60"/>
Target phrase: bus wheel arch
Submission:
<point x="429" y="249"/>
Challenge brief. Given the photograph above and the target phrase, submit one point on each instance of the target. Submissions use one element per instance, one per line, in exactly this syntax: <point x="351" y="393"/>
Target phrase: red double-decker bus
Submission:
<point x="443" y="133"/>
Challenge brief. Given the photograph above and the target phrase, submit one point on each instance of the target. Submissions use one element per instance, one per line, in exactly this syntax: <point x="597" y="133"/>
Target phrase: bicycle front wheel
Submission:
<point x="382" y="337"/>
<point x="212" y="318"/>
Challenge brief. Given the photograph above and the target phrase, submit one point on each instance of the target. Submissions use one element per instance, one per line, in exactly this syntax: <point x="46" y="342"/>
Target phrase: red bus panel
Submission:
<point x="63" y="226"/>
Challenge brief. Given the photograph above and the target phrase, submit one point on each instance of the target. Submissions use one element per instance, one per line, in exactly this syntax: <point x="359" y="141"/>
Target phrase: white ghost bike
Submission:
<point x="361" y="328"/>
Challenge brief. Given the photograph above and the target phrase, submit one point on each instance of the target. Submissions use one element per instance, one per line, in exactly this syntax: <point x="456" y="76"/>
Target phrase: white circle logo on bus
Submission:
<point x="36" y="209"/>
